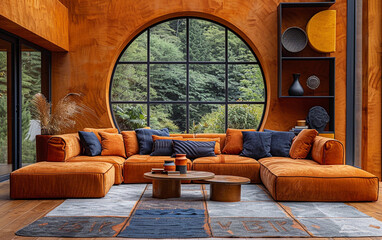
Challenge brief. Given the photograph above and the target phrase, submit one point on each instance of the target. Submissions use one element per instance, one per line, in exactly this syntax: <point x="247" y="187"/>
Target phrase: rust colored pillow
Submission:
<point x="302" y="143"/>
<point x="234" y="141"/>
<point x="216" y="140"/>
<point x="131" y="143"/>
<point x="156" y="137"/>
<point x="112" y="144"/>
<point x="98" y="130"/>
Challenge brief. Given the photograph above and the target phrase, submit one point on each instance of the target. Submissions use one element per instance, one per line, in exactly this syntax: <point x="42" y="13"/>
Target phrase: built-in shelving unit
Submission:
<point x="306" y="62"/>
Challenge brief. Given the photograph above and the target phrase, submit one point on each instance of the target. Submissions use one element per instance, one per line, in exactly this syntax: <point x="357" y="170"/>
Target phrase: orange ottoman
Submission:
<point x="62" y="180"/>
<point x="305" y="180"/>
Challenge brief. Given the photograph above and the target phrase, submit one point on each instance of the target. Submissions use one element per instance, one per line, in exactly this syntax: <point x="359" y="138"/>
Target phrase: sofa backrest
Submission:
<point x="213" y="135"/>
<point x="328" y="151"/>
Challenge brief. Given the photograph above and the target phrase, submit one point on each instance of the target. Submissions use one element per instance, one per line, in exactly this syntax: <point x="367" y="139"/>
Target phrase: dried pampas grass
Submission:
<point x="64" y="114"/>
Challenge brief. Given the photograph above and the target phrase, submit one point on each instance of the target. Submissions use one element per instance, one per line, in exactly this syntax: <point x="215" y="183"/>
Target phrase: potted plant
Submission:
<point x="62" y="117"/>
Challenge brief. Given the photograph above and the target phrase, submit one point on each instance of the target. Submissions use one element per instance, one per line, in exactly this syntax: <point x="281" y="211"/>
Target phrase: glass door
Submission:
<point x="5" y="103"/>
<point x="31" y="61"/>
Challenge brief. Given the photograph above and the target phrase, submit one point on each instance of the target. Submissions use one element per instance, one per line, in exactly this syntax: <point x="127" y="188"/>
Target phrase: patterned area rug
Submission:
<point x="128" y="210"/>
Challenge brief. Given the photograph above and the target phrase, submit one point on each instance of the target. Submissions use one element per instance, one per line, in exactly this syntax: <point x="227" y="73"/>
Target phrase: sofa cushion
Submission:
<point x="90" y="143"/>
<point x="256" y="144"/>
<point x="155" y="137"/>
<point x="305" y="180"/>
<point x="131" y="143"/>
<point x="162" y="147"/>
<point x="145" y="139"/>
<point x="194" y="149"/>
<point x="61" y="180"/>
<point x="96" y="131"/>
<point x="216" y="140"/>
<point x="221" y="136"/>
<point x="234" y="141"/>
<point x="112" y="144"/>
<point x="302" y="143"/>
<point x="229" y="165"/>
<point x="136" y="165"/>
<point x="327" y="151"/>
<point x="115" y="160"/>
<point x="280" y="143"/>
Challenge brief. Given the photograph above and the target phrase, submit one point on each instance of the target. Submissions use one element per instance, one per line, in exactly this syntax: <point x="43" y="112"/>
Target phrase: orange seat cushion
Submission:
<point x="234" y="141"/>
<point x="136" y="165"/>
<point x="302" y="143"/>
<point x="229" y="165"/>
<point x="62" y="180"/>
<point x="96" y="131"/>
<point x="112" y="144"/>
<point x="115" y="160"/>
<point x="305" y="180"/>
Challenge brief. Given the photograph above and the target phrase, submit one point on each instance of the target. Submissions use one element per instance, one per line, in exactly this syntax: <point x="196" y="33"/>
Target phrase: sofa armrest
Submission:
<point x="63" y="147"/>
<point x="327" y="151"/>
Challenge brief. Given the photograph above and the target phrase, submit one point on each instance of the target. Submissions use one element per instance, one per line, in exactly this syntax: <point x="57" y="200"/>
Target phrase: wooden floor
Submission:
<point x="15" y="214"/>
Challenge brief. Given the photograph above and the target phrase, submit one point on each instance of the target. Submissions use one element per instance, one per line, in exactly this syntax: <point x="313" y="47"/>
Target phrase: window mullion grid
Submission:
<point x="148" y="77"/>
<point x="226" y="78"/>
<point x="187" y="74"/>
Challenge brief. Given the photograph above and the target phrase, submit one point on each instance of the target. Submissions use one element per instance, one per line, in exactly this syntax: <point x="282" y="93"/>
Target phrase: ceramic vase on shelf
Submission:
<point x="296" y="89"/>
<point x="169" y="165"/>
<point x="181" y="163"/>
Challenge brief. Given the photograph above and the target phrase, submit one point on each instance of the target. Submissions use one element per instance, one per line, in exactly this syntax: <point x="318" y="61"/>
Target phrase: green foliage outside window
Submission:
<point x="209" y="72"/>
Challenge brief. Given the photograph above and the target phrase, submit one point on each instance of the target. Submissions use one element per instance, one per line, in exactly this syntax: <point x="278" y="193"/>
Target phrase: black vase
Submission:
<point x="296" y="88"/>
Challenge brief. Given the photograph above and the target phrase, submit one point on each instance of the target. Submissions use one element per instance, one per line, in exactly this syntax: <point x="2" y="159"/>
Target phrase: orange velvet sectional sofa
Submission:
<point x="322" y="176"/>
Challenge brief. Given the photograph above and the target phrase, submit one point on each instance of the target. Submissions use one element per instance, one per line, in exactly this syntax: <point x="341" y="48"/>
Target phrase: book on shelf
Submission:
<point x="301" y="127"/>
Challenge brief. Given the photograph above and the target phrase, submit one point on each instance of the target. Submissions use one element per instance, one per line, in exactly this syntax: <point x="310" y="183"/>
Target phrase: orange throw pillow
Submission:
<point x="234" y="141"/>
<point x="131" y="143"/>
<point x="216" y="140"/>
<point x="112" y="144"/>
<point x="98" y="130"/>
<point x="302" y="143"/>
<point x="156" y="137"/>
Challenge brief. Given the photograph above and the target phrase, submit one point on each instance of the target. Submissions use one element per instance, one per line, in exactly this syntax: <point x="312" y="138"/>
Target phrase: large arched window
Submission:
<point x="189" y="75"/>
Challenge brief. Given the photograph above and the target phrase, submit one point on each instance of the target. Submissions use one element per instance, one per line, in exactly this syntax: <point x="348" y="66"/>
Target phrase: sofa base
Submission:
<point x="61" y="180"/>
<point x="290" y="180"/>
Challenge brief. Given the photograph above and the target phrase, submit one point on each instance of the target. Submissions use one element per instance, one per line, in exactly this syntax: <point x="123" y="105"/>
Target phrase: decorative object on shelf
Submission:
<point x="301" y="123"/>
<point x="181" y="163"/>
<point x="317" y="118"/>
<point x="313" y="82"/>
<point x="296" y="89"/>
<point x="294" y="39"/>
<point x="64" y="116"/>
<point x="321" y="30"/>
<point x="169" y="165"/>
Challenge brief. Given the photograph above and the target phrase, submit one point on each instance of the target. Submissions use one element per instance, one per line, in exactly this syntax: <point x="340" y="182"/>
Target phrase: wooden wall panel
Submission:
<point x="99" y="30"/>
<point x="43" y="22"/>
<point x="371" y="81"/>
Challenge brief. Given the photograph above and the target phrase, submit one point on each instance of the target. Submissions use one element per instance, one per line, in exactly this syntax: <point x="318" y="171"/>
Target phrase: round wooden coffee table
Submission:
<point x="225" y="188"/>
<point x="168" y="186"/>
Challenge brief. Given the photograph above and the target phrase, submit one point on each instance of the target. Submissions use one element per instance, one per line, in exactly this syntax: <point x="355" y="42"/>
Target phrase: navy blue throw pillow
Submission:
<point x="281" y="143"/>
<point x="256" y="144"/>
<point x="194" y="149"/>
<point x="162" y="147"/>
<point x="90" y="143"/>
<point x="145" y="139"/>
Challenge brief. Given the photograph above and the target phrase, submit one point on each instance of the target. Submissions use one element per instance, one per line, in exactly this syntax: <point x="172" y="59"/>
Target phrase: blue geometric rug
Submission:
<point x="129" y="211"/>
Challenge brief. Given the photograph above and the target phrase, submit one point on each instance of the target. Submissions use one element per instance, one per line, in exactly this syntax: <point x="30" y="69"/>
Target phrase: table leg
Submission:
<point x="225" y="192"/>
<point x="166" y="188"/>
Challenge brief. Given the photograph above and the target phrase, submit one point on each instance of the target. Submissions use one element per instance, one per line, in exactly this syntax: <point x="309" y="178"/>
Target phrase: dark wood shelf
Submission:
<point x="306" y="62"/>
<point x="306" y="97"/>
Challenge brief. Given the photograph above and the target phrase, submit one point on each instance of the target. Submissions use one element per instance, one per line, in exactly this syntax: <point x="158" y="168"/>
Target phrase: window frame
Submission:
<point x="187" y="102"/>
